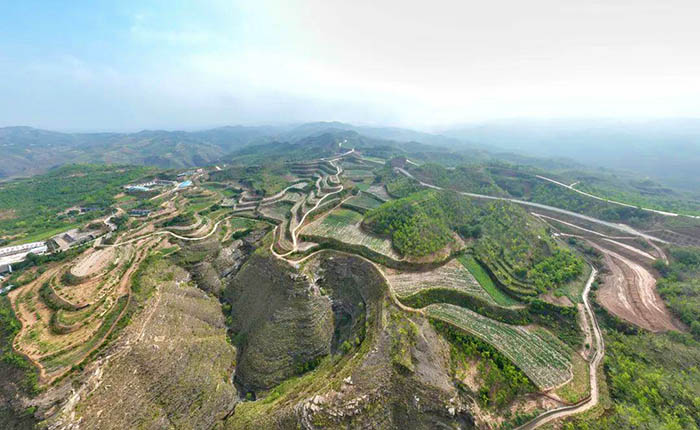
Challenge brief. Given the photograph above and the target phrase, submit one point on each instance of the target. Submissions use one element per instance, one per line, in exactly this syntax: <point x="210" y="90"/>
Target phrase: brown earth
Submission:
<point x="7" y="214"/>
<point x="561" y="300"/>
<point x="629" y="292"/>
<point x="93" y="262"/>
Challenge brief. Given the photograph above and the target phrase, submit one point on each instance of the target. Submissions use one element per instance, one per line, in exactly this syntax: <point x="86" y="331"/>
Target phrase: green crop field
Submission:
<point x="240" y="223"/>
<point x="485" y="281"/>
<point x="342" y="217"/>
<point x="545" y="362"/>
<point x="365" y="201"/>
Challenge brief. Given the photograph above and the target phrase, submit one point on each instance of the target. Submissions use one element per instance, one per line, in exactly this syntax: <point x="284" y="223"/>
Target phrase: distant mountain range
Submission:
<point x="664" y="150"/>
<point x="28" y="151"/>
<point x="667" y="150"/>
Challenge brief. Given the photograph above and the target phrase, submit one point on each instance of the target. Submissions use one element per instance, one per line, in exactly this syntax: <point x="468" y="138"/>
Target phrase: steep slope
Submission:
<point x="171" y="367"/>
<point x="389" y="372"/>
<point x="285" y="322"/>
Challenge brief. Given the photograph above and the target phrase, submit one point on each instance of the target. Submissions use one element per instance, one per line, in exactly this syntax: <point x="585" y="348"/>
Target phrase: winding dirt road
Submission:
<point x="593" y="365"/>
<point x="620" y="227"/>
<point x="295" y="245"/>
<point x="571" y="187"/>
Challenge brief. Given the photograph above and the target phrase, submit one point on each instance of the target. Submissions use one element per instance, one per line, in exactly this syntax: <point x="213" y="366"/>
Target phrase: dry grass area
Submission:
<point x="452" y="275"/>
<point x="579" y="387"/>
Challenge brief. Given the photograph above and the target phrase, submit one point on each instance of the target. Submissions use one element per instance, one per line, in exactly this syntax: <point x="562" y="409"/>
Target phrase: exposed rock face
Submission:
<point x="13" y="390"/>
<point x="393" y="371"/>
<point x="285" y="322"/>
<point x="217" y="263"/>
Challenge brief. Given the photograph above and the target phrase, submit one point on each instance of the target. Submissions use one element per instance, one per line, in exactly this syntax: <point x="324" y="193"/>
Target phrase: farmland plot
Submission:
<point x="546" y="363"/>
<point x="279" y="210"/>
<point x="379" y="191"/>
<point x="344" y="225"/>
<point x="452" y="275"/>
<point x="358" y="173"/>
<point x="485" y="281"/>
<point x="365" y="201"/>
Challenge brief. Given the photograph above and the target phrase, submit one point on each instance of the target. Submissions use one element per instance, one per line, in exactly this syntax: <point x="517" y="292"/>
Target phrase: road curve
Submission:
<point x="619" y="227"/>
<point x="593" y="364"/>
<point x="571" y="187"/>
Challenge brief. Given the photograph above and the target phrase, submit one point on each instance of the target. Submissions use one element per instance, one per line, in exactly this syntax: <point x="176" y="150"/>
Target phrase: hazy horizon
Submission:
<point x="188" y="66"/>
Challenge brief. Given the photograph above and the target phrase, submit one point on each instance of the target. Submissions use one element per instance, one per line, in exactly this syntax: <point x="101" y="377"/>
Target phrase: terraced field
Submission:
<point x="546" y="363"/>
<point x="279" y="210"/>
<point x="344" y="225"/>
<point x="379" y="191"/>
<point x="355" y="173"/>
<point x="65" y="318"/>
<point x="485" y="281"/>
<point x="364" y="201"/>
<point x="453" y="276"/>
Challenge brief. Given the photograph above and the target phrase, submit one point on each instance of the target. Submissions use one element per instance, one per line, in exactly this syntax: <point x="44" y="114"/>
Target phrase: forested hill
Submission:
<point x="28" y="151"/>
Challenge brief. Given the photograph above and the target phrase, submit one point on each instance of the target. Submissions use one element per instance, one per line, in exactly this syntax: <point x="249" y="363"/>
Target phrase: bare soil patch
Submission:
<point x="7" y="214"/>
<point x="629" y="292"/>
<point x="93" y="262"/>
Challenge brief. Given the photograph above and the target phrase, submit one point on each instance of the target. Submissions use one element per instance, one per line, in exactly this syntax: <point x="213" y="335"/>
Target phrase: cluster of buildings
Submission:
<point x="14" y="254"/>
<point x="149" y="186"/>
<point x="10" y="255"/>
<point x="71" y="238"/>
<point x="139" y="212"/>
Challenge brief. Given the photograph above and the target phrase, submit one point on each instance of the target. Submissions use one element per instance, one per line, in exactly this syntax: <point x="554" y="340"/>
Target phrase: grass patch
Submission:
<point x="486" y="282"/>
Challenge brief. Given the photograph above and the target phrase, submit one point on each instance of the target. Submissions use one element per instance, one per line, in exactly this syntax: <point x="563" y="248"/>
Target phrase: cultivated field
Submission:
<point x="64" y="319"/>
<point x="358" y="173"/>
<point x="453" y="276"/>
<point x="279" y="210"/>
<point x="486" y="282"/>
<point x="93" y="261"/>
<point x="344" y="225"/>
<point x="546" y="363"/>
<point x="379" y="191"/>
<point x="364" y="201"/>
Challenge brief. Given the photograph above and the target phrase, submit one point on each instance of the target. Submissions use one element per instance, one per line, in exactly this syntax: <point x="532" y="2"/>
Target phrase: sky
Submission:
<point x="130" y="65"/>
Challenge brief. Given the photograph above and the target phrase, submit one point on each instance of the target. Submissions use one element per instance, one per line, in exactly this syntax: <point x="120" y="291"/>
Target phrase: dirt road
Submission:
<point x="571" y="187"/>
<point x="620" y="227"/>
<point x="593" y="365"/>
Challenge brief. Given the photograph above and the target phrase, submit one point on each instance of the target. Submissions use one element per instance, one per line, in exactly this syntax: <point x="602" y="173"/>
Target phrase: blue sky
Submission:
<point x="128" y="65"/>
